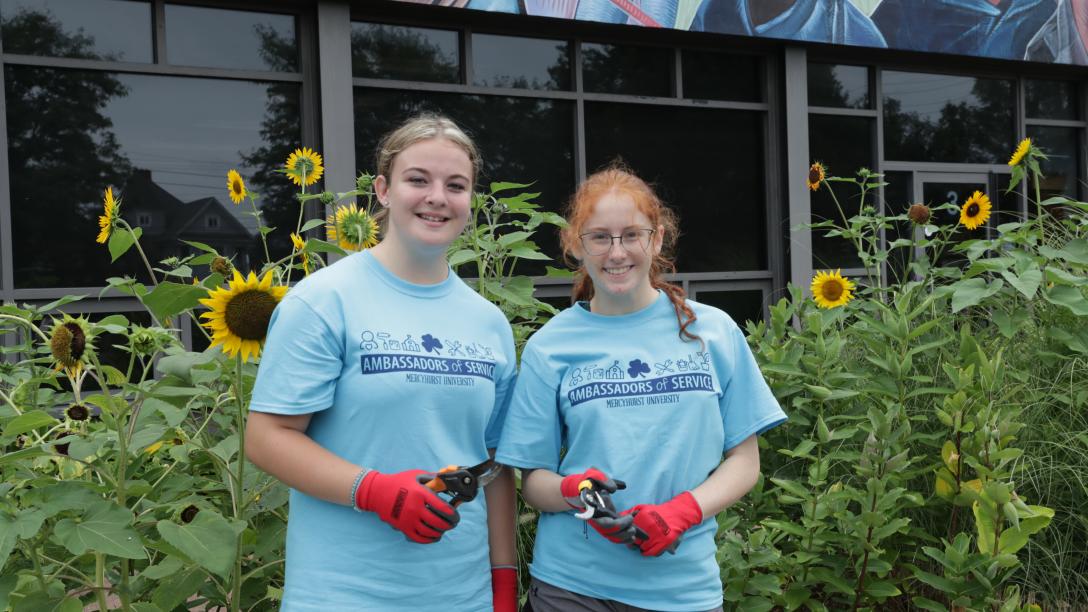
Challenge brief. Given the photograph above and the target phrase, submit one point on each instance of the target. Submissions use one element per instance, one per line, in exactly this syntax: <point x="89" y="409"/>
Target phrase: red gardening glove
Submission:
<point x="504" y="589"/>
<point x="403" y="502"/>
<point x="620" y="529"/>
<point x="663" y="523"/>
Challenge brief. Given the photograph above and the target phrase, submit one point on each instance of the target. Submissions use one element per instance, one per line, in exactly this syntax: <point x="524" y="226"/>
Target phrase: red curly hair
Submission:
<point x="617" y="178"/>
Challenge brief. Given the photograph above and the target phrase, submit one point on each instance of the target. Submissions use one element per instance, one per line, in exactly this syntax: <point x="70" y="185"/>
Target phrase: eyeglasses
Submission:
<point x="599" y="243"/>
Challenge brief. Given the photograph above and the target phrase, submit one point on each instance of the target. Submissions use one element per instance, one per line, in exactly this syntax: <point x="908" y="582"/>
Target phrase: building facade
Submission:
<point x="722" y="104"/>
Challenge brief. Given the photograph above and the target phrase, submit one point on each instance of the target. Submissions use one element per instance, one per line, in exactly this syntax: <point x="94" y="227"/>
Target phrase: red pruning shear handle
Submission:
<point x="461" y="483"/>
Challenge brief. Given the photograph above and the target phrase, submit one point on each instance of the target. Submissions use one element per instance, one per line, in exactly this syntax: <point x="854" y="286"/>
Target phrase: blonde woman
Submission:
<point x="362" y="393"/>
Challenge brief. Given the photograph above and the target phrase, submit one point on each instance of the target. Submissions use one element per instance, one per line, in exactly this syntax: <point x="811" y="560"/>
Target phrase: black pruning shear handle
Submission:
<point x="461" y="483"/>
<point x="598" y="504"/>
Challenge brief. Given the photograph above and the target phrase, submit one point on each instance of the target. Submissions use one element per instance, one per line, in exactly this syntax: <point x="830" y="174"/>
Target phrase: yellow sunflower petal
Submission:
<point x="1021" y="150"/>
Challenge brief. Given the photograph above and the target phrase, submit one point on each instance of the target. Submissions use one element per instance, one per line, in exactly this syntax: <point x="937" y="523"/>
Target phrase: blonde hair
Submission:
<point x="423" y="126"/>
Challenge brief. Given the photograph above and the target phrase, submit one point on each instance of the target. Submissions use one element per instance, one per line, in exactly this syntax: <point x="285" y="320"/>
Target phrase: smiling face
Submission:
<point x="621" y="275"/>
<point x="428" y="193"/>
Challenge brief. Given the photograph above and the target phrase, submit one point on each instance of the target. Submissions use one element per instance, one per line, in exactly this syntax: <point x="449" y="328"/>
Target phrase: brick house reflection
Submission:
<point x="166" y="221"/>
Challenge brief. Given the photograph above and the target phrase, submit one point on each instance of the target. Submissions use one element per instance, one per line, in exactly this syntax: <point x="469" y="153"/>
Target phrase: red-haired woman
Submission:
<point x="637" y="383"/>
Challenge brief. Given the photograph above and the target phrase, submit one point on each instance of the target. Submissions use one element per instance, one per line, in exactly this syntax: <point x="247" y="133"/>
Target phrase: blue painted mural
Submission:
<point x="1052" y="31"/>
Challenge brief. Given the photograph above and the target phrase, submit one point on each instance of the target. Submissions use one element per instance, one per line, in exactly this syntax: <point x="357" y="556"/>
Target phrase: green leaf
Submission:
<point x="181" y="364"/>
<point x="496" y="187"/>
<point x="524" y="251"/>
<point x="121" y="240"/>
<point x="168" y="298"/>
<point x="311" y="224"/>
<point x="8" y="536"/>
<point x="106" y="528"/>
<point x="462" y="256"/>
<point x="1027" y="282"/>
<point x="200" y="246"/>
<point x="881" y="589"/>
<point x="209" y="540"/>
<point x="1075" y="251"/>
<point x="7" y="585"/>
<point x="508" y="239"/>
<point x="316" y="245"/>
<point x="971" y="292"/>
<point x="1070" y="297"/>
<point x="28" y="421"/>
<point x="551" y="272"/>
<point x="173" y="591"/>
<point x="171" y="414"/>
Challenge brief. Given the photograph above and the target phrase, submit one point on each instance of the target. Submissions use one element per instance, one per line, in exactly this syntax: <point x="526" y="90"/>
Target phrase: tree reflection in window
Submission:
<point x="941" y="118"/>
<point x="165" y="143"/>
<point x="397" y="52"/>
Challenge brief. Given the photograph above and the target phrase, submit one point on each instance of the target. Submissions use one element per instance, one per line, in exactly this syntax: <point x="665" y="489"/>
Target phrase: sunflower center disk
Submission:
<point x="832" y="291"/>
<point x="248" y="314"/>
<point x="814" y="176"/>
<point x="972" y="210"/>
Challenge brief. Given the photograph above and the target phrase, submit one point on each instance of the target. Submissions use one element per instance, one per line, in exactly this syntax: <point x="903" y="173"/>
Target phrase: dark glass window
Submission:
<point x="88" y="29"/>
<point x="720" y="76"/>
<point x="1051" y="99"/>
<point x="742" y="306"/>
<point x="221" y="38"/>
<point x="705" y="163"/>
<point x="1060" y="169"/>
<point x="411" y="54"/>
<point x="842" y="145"/>
<point x="165" y="145"/>
<point x="638" y="71"/>
<point x="839" y="86"/>
<point x="526" y="63"/>
<point x="936" y="117"/>
<point x="535" y="145"/>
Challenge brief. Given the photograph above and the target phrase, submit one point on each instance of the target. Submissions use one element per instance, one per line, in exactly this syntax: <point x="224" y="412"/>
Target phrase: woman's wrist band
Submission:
<point x="355" y="488"/>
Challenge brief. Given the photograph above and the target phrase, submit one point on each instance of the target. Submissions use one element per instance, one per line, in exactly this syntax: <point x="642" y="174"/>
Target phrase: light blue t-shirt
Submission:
<point x="625" y="394"/>
<point x="397" y="376"/>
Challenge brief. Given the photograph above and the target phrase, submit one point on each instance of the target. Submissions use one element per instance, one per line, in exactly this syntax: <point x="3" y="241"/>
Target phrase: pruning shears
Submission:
<point x="598" y="503"/>
<point x="463" y="483"/>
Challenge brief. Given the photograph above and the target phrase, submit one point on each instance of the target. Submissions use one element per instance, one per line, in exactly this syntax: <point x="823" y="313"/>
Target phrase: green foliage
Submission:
<point x="142" y="498"/>
<point x="899" y="480"/>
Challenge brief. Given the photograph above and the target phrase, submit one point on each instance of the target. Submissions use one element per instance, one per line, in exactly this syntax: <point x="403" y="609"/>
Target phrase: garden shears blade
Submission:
<point x="463" y="483"/>
<point x="598" y="503"/>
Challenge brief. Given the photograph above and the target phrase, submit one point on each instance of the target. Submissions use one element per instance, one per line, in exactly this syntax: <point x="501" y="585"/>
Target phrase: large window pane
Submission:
<point x="1060" y="169"/>
<point x="707" y="164"/>
<point x="935" y="117"/>
<point x="742" y="306"/>
<point x="843" y="145"/>
<point x="527" y="63"/>
<point x="720" y="76"/>
<point x="411" y="54"/>
<point x="1051" y="99"/>
<point x="88" y="29"/>
<point x="521" y="140"/>
<point x="198" y="36"/>
<point x="638" y="71"/>
<point x="838" y="86"/>
<point x="165" y="144"/>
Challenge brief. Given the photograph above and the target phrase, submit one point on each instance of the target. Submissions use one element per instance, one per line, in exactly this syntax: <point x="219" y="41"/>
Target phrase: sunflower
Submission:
<point x="816" y="175"/>
<point x="831" y="290"/>
<point x="304" y="162"/>
<point x="1021" y="150"/>
<point x="919" y="214"/>
<point x="240" y="313"/>
<point x="110" y="208"/>
<point x="975" y="211"/>
<point x="70" y="344"/>
<point x="236" y="187"/>
<point x="300" y="246"/>
<point x="354" y="229"/>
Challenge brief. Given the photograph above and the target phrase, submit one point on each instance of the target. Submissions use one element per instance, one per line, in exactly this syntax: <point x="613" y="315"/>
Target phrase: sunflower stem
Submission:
<point x="100" y="580"/>
<point x="140" y="250"/>
<point x="239" y="482"/>
<point x="260" y="225"/>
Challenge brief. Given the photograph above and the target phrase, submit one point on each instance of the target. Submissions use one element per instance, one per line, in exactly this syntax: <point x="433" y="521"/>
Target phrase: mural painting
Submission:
<point x="1052" y="31"/>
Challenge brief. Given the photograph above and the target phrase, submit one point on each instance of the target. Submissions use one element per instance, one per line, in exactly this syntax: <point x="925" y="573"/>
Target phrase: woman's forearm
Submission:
<point x="501" y="518"/>
<point x="731" y="480"/>
<point x="541" y="490"/>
